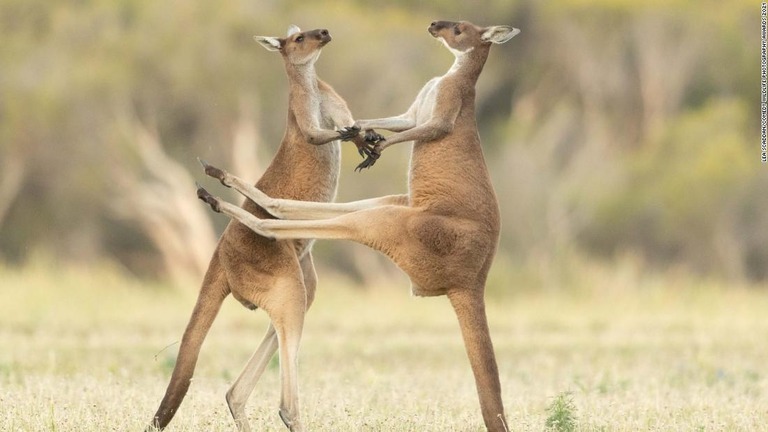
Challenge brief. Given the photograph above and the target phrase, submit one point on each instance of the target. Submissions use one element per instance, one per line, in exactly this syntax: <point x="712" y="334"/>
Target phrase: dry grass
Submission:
<point x="79" y="352"/>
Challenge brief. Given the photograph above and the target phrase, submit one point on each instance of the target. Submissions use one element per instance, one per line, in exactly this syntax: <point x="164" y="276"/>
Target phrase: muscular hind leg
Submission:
<point x="469" y="305"/>
<point x="288" y="318"/>
<point x="243" y="387"/>
<point x="369" y="226"/>
<point x="289" y="338"/>
<point x="212" y="293"/>
<point x="290" y="209"/>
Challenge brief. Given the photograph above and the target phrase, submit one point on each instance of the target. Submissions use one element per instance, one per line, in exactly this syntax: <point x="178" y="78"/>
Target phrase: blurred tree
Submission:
<point x="684" y="198"/>
<point x="159" y="197"/>
<point x="609" y="125"/>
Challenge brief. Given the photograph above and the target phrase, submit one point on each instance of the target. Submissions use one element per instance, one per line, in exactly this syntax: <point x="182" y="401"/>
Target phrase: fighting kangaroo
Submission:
<point x="444" y="233"/>
<point x="278" y="277"/>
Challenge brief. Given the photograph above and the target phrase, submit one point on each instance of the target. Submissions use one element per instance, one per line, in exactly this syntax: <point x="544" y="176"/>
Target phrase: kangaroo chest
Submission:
<point x="427" y="101"/>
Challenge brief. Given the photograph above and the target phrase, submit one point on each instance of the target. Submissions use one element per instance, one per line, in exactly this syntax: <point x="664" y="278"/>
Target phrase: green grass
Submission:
<point x="83" y="350"/>
<point x="562" y="413"/>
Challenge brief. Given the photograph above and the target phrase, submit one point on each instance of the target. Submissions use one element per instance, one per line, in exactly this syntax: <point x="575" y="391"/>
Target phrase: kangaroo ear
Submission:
<point x="270" y="43"/>
<point x="293" y="29"/>
<point x="499" y="34"/>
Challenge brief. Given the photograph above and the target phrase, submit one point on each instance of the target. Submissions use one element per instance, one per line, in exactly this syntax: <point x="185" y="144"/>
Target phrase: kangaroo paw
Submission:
<point x="348" y="133"/>
<point x="364" y="148"/>
<point x="372" y="136"/>
<point x="369" y="161"/>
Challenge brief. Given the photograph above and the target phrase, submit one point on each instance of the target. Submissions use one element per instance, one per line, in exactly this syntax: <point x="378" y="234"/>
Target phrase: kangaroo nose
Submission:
<point x="324" y="32"/>
<point x="433" y="28"/>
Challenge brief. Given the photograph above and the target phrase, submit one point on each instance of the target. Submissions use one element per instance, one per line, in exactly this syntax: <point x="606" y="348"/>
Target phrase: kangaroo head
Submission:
<point x="464" y="36"/>
<point x="298" y="47"/>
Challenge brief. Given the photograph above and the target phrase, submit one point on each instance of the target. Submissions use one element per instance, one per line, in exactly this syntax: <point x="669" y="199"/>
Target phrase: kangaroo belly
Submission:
<point x="437" y="252"/>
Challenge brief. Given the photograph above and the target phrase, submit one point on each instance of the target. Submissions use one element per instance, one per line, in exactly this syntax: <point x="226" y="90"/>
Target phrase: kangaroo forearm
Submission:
<point x="394" y="124"/>
<point x="318" y="136"/>
<point x="427" y="132"/>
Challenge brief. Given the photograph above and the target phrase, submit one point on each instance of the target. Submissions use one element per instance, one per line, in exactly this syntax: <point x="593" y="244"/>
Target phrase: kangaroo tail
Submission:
<point x="212" y="294"/>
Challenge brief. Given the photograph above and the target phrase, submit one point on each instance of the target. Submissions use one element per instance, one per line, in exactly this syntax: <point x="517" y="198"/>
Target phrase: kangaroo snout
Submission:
<point x="324" y="36"/>
<point x="436" y="26"/>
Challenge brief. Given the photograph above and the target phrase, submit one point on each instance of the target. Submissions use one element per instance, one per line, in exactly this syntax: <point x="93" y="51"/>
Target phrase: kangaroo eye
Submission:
<point x="299" y="38"/>
<point x="456" y="31"/>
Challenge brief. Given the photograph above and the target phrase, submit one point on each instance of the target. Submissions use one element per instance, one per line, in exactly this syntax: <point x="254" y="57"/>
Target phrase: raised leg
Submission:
<point x="470" y="311"/>
<point x="358" y="226"/>
<point x="294" y="209"/>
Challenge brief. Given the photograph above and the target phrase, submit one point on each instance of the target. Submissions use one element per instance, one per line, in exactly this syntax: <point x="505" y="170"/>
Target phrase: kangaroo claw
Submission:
<point x="365" y="149"/>
<point x="369" y="161"/>
<point x="348" y="133"/>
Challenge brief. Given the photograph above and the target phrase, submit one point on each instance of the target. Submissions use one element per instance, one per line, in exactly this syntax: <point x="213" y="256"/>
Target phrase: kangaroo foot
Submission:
<point x="212" y="171"/>
<point x="293" y="424"/>
<point x="209" y="199"/>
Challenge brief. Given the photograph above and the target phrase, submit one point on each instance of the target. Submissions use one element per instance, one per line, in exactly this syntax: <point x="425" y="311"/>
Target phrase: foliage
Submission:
<point x="610" y="126"/>
<point x="688" y="191"/>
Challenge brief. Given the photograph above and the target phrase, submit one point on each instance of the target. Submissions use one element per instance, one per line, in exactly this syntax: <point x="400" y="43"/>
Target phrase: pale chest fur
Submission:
<point x="427" y="101"/>
<point x="314" y="169"/>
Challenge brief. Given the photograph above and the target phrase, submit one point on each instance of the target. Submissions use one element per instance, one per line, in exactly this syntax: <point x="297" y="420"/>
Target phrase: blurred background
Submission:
<point x="618" y="133"/>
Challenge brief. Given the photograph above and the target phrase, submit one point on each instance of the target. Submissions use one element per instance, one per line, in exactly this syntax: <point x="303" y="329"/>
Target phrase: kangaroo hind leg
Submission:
<point x="469" y="306"/>
<point x="243" y="386"/>
<point x="287" y="312"/>
<point x="212" y="293"/>
<point x="288" y="209"/>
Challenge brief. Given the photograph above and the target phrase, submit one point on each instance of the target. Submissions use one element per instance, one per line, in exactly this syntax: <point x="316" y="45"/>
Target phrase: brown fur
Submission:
<point x="444" y="233"/>
<point x="264" y="273"/>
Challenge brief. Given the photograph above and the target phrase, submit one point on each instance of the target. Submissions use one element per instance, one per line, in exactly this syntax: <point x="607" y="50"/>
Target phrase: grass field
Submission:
<point x="83" y="351"/>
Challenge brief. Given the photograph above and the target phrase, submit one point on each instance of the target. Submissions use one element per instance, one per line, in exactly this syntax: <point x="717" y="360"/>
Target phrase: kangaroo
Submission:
<point x="445" y="231"/>
<point x="278" y="277"/>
